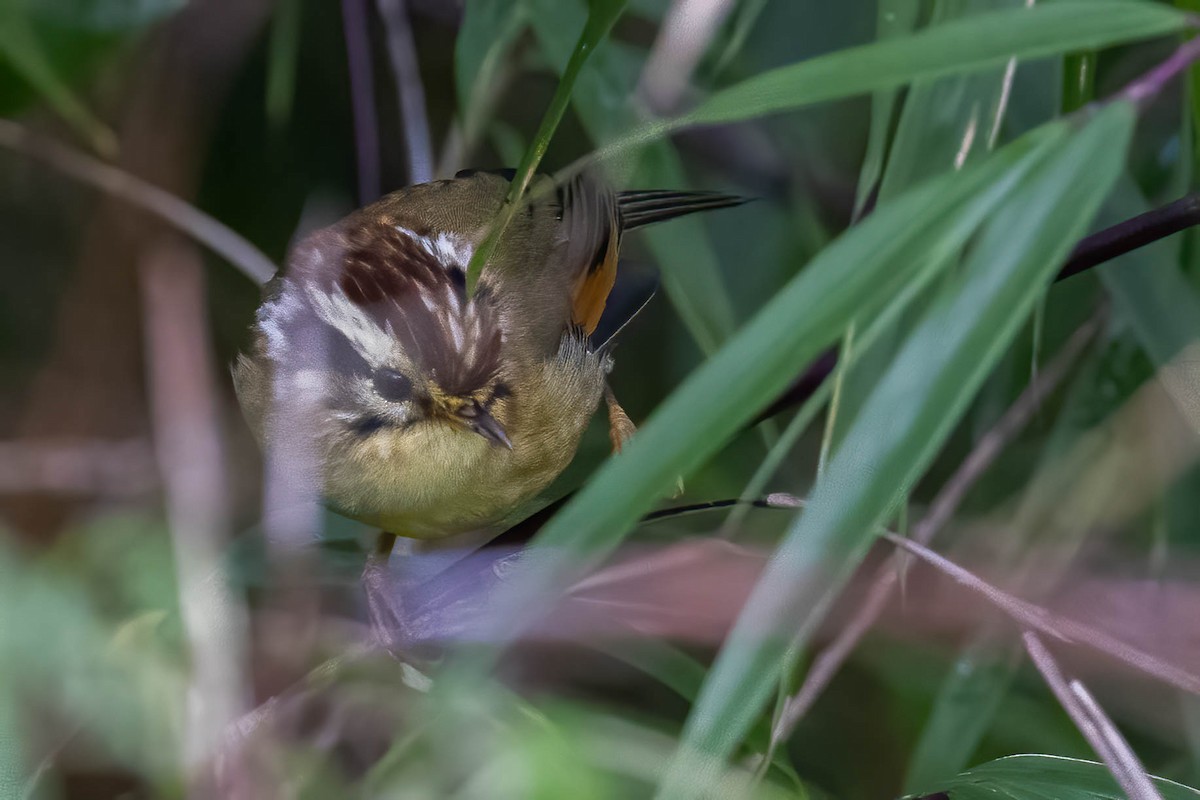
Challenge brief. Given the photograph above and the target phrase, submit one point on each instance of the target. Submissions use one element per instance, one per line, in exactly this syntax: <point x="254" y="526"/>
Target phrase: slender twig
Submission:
<point x="1145" y="88"/>
<point x="1142" y="230"/>
<point x="1045" y="621"/>
<point x="188" y="440"/>
<point x="775" y="500"/>
<point x="1093" y="723"/>
<point x="362" y="98"/>
<point x="133" y="190"/>
<point x="406" y="69"/>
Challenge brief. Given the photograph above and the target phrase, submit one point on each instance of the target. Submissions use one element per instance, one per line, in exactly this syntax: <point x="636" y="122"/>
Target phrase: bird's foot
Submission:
<point x="621" y="429"/>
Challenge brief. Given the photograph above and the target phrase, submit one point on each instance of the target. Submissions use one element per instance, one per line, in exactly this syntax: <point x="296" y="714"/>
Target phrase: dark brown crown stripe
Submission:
<point x="396" y="280"/>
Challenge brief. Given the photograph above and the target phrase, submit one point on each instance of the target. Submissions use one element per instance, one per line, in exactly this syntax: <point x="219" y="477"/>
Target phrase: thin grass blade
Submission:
<point x="602" y="16"/>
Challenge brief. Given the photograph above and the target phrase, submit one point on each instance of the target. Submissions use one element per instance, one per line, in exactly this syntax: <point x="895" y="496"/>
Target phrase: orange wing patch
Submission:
<point x="595" y="283"/>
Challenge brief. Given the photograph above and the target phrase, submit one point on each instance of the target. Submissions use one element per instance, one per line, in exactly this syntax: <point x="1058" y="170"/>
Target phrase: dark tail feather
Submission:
<point x="656" y="205"/>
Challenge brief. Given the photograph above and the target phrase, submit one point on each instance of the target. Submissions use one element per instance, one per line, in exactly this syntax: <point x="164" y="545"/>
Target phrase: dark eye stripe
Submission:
<point x="365" y="426"/>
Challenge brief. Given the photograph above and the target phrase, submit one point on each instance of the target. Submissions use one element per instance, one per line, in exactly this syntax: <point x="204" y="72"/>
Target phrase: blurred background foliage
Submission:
<point x="913" y="205"/>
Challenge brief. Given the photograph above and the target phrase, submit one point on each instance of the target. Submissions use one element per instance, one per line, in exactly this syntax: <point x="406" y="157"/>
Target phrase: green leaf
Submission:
<point x="862" y="271"/>
<point x="602" y="16"/>
<point x="488" y="31"/>
<point x="1037" y="777"/>
<point x="901" y="428"/>
<point x="691" y="274"/>
<point x="975" y="686"/>
<point x="282" y="60"/>
<point x="102" y="16"/>
<point x="896" y="19"/>
<point x="943" y="122"/>
<point x="966" y="45"/>
<point x="20" y="47"/>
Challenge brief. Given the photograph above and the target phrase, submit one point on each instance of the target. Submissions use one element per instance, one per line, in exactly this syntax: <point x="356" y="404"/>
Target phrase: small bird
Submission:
<point x="437" y="411"/>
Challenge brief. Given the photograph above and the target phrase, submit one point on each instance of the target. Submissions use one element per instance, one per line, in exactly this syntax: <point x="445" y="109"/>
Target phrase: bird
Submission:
<point x="431" y="410"/>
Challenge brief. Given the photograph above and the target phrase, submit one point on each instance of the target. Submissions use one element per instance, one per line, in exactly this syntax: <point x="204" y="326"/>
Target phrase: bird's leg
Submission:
<point x="621" y="429"/>
<point x="383" y="611"/>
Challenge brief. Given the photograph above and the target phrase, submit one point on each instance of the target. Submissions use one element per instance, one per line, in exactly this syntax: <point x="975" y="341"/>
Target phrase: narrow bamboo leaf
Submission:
<point x="691" y="273"/>
<point x="947" y="120"/>
<point x="900" y="429"/>
<point x="944" y="122"/>
<point x="13" y="771"/>
<point x="744" y="19"/>
<point x="684" y="675"/>
<point x="488" y="30"/>
<point x="965" y="45"/>
<point x="964" y="710"/>
<point x="282" y="60"/>
<point x="19" y="46"/>
<point x="863" y="270"/>
<point x="1040" y="777"/>
<point x="1079" y="81"/>
<point x="602" y="16"/>
<point x="896" y="18"/>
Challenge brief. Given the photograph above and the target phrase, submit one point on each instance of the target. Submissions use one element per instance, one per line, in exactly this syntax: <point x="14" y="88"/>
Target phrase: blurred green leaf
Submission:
<point x="488" y="30"/>
<point x="743" y="22"/>
<point x="684" y="675"/>
<point x="976" y="43"/>
<point x="13" y="769"/>
<point x="896" y="18"/>
<point x="858" y="274"/>
<point x="282" y="61"/>
<point x="901" y="428"/>
<point x="20" y="47"/>
<point x="122" y="682"/>
<point x="975" y="686"/>
<point x="101" y="16"/>
<point x="690" y="272"/>
<point x="1038" y="777"/>
<point x="965" y="45"/>
<point x="943" y="123"/>
<point x="602" y="16"/>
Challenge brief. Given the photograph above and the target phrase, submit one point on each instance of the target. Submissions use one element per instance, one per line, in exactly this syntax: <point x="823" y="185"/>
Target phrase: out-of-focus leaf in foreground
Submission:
<point x="901" y="427"/>
<point x="1040" y="777"/>
<point x="20" y="47"/>
<point x="860" y="273"/>
<point x="974" y="43"/>
<point x="602" y="15"/>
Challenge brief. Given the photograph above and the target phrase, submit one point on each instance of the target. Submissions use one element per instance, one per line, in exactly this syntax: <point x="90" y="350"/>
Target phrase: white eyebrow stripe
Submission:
<point x="375" y="344"/>
<point x="456" y="332"/>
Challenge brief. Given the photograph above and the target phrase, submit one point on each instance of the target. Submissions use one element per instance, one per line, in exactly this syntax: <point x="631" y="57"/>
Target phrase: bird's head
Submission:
<point x="373" y="317"/>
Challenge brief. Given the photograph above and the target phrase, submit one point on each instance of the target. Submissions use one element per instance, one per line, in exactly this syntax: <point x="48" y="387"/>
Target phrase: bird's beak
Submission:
<point x="479" y="420"/>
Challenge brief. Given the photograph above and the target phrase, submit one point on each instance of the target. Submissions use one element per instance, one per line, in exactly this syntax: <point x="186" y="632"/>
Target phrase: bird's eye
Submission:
<point x="392" y="386"/>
